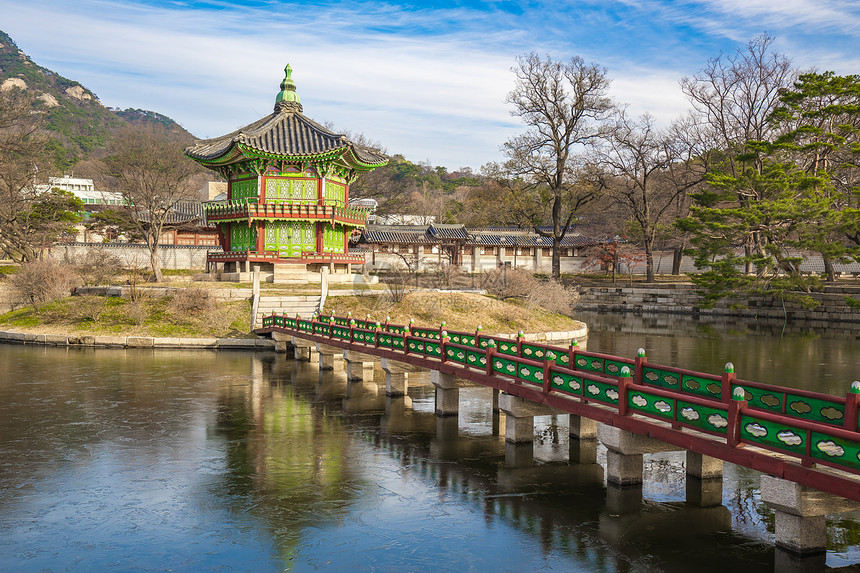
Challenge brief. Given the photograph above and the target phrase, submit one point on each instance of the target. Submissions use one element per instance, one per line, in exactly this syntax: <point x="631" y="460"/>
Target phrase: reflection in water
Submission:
<point x="189" y="461"/>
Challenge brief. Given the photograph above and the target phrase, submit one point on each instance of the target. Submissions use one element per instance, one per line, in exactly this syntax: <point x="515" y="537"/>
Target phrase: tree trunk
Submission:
<point x="828" y="269"/>
<point x="556" y="236"/>
<point x="155" y="263"/>
<point x="649" y="262"/>
<point x="677" y="256"/>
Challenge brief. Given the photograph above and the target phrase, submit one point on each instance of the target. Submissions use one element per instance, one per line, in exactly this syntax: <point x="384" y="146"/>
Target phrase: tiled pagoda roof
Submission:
<point x="285" y="134"/>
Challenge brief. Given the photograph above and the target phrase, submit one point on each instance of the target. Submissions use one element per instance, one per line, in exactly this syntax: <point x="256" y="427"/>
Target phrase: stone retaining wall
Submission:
<point x="89" y="341"/>
<point x="681" y="298"/>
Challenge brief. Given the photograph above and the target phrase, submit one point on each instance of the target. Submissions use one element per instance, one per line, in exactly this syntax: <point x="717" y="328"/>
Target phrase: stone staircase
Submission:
<point x="292" y="305"/>
<point x="292" y="274"/>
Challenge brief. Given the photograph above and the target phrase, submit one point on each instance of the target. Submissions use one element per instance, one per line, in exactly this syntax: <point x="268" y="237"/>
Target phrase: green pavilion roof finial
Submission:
<point x="288" y="99"/>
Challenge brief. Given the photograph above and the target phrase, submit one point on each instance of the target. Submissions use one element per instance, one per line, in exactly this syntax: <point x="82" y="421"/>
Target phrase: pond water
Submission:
<point x="132" y="460"/>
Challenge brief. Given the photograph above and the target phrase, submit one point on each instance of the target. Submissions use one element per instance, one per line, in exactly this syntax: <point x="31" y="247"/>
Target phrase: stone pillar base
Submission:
<point x="703" y="467"/>
<point x="330" y="361"/>
<point x="800" y="512"/>
<point x="623" y="469"/>
<point x="447" y="393"/>
<point x="519" y="430"/>
<point x="396" y="383"/>
<point x="447" y="401"/>
<point x="359" y="371"/>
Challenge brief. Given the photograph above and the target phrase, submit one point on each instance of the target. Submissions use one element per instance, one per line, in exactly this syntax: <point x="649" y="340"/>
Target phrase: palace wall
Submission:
<point x="135" y="255"/>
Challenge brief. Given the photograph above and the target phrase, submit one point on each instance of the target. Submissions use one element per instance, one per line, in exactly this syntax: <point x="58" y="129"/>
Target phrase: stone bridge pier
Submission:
<point x="330" y="357"/>
<point x="397" y="376"/>
<point x="447" y="393"/>
<point x="520" y="428"/>
<point x="799" y="526"/>
<point x="305" y="350"/>
<point x="624" y="457"/>
<point x="359" y="366"/>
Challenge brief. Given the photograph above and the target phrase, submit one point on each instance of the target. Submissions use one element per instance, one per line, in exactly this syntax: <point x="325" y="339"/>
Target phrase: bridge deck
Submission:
<point x="806" y="437"/>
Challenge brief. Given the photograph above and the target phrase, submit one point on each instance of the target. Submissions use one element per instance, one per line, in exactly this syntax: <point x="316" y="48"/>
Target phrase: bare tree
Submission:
<point x="31" y="219"/>
<point x="564" y="104"/>
<point x="735" y="96"/>
<point x="641" y="160"/>
<point x="154" y="176"/>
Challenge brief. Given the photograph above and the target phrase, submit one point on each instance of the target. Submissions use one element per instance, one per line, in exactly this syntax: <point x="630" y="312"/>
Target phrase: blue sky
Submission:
<point x="425" y="79"/>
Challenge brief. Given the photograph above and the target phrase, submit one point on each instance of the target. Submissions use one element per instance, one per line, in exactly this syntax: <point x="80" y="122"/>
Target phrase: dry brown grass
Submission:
<point x="461" y="311"/>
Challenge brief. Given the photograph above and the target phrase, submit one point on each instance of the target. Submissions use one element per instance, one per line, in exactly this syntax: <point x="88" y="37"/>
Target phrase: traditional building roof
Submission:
<point x="449" y="232"/>
<point x="285" y="134"/>
<point x="401" y="234"/>
<point x="437" y="233"/>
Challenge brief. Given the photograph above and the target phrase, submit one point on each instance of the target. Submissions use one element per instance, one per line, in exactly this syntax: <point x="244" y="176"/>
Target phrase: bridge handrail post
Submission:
<point x="624" y="381"/>
<point x="641" y="360"/>
<point x="737" y="404"/>
<point x="726" y="380"/>
<point x="520" y="336"/>
<point x="491" y="351"/>
<point x="547" y="381"/>
<point x="852" y="406"/>
<point x="571" y="354"/>
<point x="443" y="338"/>
<point x="376" y="335"/>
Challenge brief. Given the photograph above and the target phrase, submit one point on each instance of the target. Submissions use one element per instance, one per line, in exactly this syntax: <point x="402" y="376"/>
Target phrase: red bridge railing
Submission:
<point x="812" y="427"/>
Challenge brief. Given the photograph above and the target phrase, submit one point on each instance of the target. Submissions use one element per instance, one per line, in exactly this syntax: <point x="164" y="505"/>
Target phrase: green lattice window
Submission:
<point x="290" y="238"/>
<point x="333" y="239"/>
<point x="243" y="238"/>
<point x="291" y="190"/>
<point x="243" y="189"/>
<point x="335" y="193"/>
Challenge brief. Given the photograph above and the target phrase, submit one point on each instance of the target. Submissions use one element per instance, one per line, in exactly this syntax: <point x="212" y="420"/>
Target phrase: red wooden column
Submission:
<point x="261" y="236"/>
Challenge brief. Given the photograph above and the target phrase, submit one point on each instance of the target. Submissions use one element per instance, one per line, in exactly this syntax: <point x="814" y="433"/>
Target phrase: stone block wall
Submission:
<point x="681" y="298"/>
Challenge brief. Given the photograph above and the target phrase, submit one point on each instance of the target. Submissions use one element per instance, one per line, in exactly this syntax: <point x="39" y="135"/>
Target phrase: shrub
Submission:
<point x="397" y="281"/>
<point x="552" y="296"/>
<point x="42" y="281"/>
<point x="98" y="267"/>
<point x="87" y="308"/>
<point x="508" y="283"/>
<point x="191" y="301"/>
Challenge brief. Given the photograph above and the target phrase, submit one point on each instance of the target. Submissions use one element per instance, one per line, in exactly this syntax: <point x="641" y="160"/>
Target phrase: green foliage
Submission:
<point x="795" y="194"/>
<point x="146" y="116"/>
<point x="783" y="212"/>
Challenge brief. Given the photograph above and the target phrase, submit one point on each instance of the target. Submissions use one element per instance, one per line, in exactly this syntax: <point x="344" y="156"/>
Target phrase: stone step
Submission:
<point x="303" y="305"/>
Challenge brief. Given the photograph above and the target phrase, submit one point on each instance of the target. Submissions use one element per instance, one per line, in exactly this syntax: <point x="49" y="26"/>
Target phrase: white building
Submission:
<point x="83" y="189"/>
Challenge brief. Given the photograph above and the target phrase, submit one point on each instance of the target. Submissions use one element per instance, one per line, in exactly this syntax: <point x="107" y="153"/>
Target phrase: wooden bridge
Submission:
<point x="807" y="443"/>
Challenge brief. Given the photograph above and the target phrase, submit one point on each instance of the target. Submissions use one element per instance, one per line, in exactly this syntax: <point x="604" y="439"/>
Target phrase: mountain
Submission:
<point x="80" y="125"/>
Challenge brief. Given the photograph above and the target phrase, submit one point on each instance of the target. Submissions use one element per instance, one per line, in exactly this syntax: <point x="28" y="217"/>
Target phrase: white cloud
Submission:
<point x="428" y="83"/>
